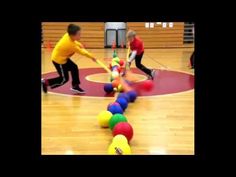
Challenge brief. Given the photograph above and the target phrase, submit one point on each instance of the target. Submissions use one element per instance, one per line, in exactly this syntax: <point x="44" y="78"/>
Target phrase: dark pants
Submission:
<point x="140" y="66"/>
<point x="63" y="71"/>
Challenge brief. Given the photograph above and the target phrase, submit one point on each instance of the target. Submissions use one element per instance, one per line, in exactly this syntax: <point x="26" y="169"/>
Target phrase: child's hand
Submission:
<point x="94" y="59"/>
<point x="128" y="64"/>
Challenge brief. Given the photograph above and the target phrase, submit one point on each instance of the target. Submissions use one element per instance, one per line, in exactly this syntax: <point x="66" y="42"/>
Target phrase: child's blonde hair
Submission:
<point x="131" y="33"/>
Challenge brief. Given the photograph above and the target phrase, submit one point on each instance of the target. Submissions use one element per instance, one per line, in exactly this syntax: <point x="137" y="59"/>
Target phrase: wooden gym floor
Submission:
<point x="162" y="124"/>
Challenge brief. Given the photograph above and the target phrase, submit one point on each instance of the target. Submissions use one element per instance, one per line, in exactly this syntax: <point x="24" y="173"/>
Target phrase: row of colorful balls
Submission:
<point x="116" y="67"/>
<point x="114" y="119"/>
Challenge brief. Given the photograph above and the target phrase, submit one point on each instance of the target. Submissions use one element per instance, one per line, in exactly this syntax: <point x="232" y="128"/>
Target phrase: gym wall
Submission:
<point x="158" y="36"/>
<point x="92" y="33"/>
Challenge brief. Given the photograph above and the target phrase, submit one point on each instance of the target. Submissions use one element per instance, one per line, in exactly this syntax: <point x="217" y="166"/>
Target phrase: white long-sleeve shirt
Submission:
<point x="132" y="56"/>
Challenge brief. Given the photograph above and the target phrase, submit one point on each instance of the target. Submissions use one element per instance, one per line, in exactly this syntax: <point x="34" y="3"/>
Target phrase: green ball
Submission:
<point x="116" y="118"/>
<point x="114" y="54"/>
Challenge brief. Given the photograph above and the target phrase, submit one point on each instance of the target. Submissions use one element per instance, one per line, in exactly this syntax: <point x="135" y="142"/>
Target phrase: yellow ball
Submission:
<point x="114" y="63"/>
<point x="104" y="118"/>
<point x="120" y="88"/>
<point x="117" y="148"/>
<point x="120" y="139"/>
<point x="116" y="59"/>
<point x="115" y="74"/>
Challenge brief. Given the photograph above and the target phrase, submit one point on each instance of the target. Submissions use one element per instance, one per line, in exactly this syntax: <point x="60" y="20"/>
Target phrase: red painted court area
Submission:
<point x="165" y="82"/>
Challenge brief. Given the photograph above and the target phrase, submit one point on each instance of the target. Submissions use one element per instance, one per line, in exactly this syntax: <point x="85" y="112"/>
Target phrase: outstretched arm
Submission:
<point x="79" y="44"/>
<point x="84" y="52"/>
<point x="132" y="56"/>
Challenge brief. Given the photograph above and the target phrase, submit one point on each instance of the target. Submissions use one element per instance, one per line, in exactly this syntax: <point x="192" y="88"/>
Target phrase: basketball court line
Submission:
<point x="157" y="62"/>
<point x="111" y="98"/>
<point x="92" y="80"/>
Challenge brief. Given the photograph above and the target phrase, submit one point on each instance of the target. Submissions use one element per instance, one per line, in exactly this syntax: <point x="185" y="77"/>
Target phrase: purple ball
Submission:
<point x="124" y="95"/>
<point x="128" y="82"/>
<point x="123" y="103"/>
<point x="115" y="109"/>
<point x="114" y="68"/>
<point x="114" y="103"/>
<point x="132" y="95"/>
<point x="108" y="88"/>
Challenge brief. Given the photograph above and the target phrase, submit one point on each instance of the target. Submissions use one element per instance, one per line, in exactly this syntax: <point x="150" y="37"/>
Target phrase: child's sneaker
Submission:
<point x="77" y="89"/>
<point x="44" y="85"/>
<point x="152" y="74"/>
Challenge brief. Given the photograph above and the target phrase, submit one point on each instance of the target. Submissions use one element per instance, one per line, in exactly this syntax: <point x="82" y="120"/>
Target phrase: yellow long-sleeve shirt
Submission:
<point x="65" y="48"/>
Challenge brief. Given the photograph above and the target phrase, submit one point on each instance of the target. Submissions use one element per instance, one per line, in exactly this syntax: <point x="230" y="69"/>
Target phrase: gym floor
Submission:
<point x="163" y="124"/>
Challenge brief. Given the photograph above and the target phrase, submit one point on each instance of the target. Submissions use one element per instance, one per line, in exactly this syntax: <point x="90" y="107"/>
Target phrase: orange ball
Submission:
<point x="115" y="83"/>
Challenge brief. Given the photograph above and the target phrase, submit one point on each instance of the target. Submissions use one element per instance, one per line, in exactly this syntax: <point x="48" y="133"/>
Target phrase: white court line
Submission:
<point x="91" y="80"/>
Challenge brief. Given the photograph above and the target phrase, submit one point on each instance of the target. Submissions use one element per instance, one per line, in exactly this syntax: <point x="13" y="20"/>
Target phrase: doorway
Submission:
<point x="115" y="32"/>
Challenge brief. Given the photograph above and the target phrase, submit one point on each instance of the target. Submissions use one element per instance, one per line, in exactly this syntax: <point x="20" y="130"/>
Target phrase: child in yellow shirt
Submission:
<point x="64" y="49"/>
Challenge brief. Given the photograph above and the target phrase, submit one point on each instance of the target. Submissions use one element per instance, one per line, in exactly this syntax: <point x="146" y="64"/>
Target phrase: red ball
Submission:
<point x="121" y="62"/>
<point x="123" y="128"/>
<point x="148" y="85"/>
<point x="119" y="69"/>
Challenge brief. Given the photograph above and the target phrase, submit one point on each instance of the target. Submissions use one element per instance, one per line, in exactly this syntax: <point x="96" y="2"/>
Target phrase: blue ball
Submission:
<point x="115" y="109"/>
<point x="124" y="95"/>
<point x="108" y="88"/>
<point x="123" y="103"/>
<point x="132" y="95"/>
